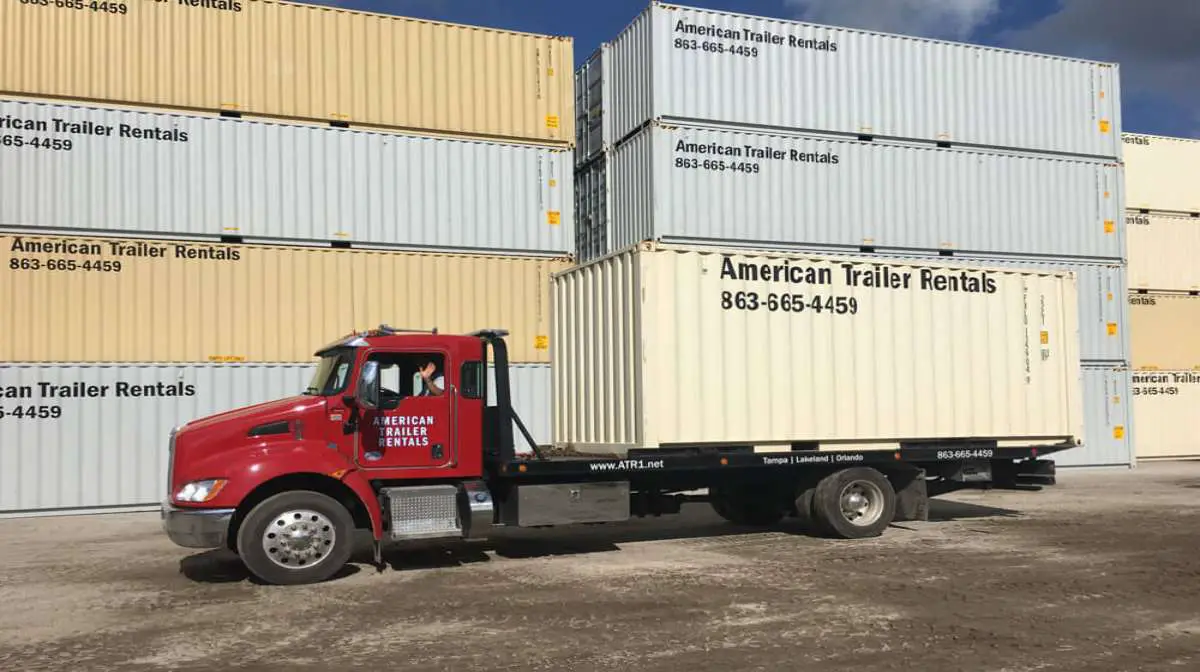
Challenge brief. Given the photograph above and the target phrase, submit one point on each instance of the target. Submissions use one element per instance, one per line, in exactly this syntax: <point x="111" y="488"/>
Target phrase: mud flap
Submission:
<point x="1037" y="472"/>
<point x="912" y="497"/>
<point x="1008" y="475"/>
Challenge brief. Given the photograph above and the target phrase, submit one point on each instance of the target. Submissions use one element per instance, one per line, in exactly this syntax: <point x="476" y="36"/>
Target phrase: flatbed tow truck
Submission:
<point x="285" y="484"/>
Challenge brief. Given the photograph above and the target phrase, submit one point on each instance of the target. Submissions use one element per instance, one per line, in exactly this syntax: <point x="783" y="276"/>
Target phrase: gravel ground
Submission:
<point x="1101" y="572"/>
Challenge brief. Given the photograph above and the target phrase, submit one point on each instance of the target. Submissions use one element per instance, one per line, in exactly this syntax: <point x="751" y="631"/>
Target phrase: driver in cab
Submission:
<point x="433" y="383"/>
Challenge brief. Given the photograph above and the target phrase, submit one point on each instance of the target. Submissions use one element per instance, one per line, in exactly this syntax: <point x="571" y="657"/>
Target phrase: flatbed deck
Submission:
<point x="715" y="459"/>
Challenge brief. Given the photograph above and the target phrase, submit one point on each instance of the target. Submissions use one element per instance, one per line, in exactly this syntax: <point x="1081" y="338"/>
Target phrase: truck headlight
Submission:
<point x="198" y="492"/>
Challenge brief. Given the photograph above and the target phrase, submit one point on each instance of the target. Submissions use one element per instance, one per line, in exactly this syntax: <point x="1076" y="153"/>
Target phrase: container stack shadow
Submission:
<point x="198" y="196"/>
<point x="703" y="127"/>
<point x="1163" y="178"/>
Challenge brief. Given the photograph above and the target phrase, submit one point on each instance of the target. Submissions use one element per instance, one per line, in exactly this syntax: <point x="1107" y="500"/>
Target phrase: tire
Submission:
<point x="877" y="510"/>
<point x="322" y="545"/>
<point x="805" y="513"/>
<point x="746" y="507"/>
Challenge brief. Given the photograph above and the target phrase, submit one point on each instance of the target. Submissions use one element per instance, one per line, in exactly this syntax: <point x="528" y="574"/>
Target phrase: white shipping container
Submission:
<point x="1164" y="409"/>
<point x="687" y="184"/>
<point x="66" y="453"/>
<point x="681" y="63"/>
<point x="130" y="171"/>
<point x="1108" y="426"/>
<point x="1162" y="173"/>
<point x="662" y="346"/>
<point x="1163" y="250"/>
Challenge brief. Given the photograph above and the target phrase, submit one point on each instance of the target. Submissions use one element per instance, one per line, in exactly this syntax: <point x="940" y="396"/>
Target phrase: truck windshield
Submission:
<point x="332" y="374"/>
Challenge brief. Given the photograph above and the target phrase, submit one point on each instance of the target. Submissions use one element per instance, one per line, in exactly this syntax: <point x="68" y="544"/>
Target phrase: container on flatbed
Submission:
<point x="1101" y="292"/>
<point x="683" y="63"/>
<point x="660" y="347"/>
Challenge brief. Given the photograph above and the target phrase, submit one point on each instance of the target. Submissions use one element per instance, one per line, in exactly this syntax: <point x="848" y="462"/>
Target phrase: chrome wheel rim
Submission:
<point x="299" y="538"/>
<point x="861" y="503"/>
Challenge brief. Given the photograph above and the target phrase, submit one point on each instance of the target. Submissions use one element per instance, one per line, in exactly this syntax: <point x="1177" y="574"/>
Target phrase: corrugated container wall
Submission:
<point x="1165" y="331"/>
<point x="591" y="209"/>
<point x="1162" y="173"/>
<point x="659" y="346"/>
<point x="1163" y="250"/>
<point x="683" y="184"/>
<point x="131" y="172"/>
<point x="1164" y="410"/>
<point x="124" y="300"/>
<point x="590" y="100"/>
<point x="1108" y="437"/>
<point x="111" y="450"/>
<point x="678" y="63"/>
<point x="296" y="61"/>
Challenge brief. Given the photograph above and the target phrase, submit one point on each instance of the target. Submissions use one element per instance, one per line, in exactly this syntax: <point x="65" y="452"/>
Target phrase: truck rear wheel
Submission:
<point x="854" y="503"/>
<point x="746" y="506"/>
<point x="296" y="537"/>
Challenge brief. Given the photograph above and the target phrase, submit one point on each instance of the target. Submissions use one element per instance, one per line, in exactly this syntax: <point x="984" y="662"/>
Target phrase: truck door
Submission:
<point x="413" y="428"/>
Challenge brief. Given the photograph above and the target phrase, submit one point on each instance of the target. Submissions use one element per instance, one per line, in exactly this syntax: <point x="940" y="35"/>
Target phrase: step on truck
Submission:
<point x="412" y="435"/>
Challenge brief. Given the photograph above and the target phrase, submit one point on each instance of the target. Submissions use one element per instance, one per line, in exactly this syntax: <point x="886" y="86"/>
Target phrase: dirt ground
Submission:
<point x="1101" y="572"/>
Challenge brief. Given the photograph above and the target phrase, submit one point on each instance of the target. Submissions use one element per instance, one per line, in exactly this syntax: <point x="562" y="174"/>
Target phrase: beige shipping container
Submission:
<point x="1162" y="251"/>
<point x="292" y="60"/>
<point x="1162" y="173"/>
<point x="1164" y="412"/>
<point x="1164" y="331"/>
<point x="76" y="299"/>
<point x="663" y="346"/>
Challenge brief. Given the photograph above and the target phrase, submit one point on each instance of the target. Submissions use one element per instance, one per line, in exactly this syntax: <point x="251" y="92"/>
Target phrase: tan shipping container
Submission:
<point x="292" y="60"/>
<point x="658" y="346"/>
<point x="1164" y="412"/>
<point x="1164" y="331"/>
<point x="1162" y="251"/>
<point x="77" y="299"/>
<point x="1162" y="173"/>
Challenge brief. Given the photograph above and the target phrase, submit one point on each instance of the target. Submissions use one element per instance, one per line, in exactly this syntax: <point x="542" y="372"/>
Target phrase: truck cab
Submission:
<point x="284" y="483"/>
<point x="406" y="434"/>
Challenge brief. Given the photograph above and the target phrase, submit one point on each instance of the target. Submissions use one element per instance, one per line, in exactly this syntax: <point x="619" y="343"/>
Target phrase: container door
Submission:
<point x="413" y="428"/>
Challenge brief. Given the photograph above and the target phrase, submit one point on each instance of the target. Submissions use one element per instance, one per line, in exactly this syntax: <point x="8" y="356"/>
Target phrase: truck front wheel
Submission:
<point x="854" y="503"/>
<point x="296" y="537"/>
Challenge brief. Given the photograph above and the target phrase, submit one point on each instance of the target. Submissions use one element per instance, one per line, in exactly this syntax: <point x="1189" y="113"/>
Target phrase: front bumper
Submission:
<point x="196" y="528"/>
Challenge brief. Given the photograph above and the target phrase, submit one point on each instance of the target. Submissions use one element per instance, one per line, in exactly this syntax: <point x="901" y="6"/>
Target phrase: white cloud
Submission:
<point x="944" y="19"/>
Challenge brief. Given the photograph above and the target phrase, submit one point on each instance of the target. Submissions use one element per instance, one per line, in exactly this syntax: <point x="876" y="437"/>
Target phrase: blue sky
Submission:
<point x="1155" y="41"/>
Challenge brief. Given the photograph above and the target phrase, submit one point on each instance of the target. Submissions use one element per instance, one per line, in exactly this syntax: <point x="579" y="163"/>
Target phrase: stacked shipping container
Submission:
<point x="1163" y="199"/>
<point x="703" y="127"/>
<point x="183" y="227"/>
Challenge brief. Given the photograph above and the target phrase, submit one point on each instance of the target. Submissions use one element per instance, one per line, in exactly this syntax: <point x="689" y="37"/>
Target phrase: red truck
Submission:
<point x="285" y="484"/>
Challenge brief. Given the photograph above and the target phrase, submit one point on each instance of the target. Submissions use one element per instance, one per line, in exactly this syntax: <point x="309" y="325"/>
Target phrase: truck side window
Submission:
<point x="472" y="380"/>
<point x="390" y="382"/>
<point x="400" y="376"/>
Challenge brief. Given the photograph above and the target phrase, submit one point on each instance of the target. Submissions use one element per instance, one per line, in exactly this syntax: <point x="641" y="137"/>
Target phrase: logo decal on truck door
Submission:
<point x="403" y="431"/>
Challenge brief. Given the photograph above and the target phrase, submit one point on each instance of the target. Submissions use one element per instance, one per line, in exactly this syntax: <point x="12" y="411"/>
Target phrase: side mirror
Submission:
<point x="366" y="392"/>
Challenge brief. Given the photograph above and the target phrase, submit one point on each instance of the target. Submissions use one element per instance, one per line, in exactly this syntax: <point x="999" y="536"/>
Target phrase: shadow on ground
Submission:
<point x="943" y="511"/>
<point x="222" y="566"/>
